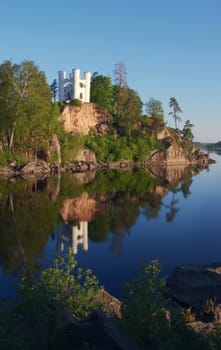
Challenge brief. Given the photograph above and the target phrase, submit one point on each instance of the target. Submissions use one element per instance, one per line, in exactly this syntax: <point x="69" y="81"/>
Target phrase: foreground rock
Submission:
<point x="192" y="285"/>
<point x="99" y="330"/>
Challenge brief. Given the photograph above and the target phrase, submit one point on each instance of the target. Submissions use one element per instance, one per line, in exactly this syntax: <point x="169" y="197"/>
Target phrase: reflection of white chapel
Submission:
<point x="74" y="87"/>
<point x="80" y="236"/>
<point x="73" y="236"/>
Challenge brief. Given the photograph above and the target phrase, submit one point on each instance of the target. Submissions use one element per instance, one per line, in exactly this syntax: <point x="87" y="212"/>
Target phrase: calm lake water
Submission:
<point x="112" y="221"/>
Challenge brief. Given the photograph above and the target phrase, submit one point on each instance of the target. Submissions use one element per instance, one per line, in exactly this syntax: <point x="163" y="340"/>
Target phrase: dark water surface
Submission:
<point x="112" y="221"/>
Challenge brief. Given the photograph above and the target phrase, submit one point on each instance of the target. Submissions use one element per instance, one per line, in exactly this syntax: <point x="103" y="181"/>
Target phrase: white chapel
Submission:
<point x="74" y="87"/>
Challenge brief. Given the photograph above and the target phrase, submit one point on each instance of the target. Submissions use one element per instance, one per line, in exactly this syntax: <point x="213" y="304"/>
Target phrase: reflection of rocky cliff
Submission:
<point x="82" y="208"/>
<point x="171" y="174"/>
<point x="85" y="177"/>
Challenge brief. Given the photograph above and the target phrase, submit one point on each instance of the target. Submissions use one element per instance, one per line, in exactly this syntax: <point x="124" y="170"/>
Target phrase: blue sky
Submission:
<point x="171" y="48"/>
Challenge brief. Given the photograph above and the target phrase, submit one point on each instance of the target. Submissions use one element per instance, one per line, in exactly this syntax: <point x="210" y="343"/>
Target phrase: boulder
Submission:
<point x="39" y="167"/>
<point x="195" y="285"/>
<point x="6" y="171"/>
<point x="111" y="306"/>
<point x="171" y="153"/>
<point x="97" y="331"/>
<point x="85" y="155"/>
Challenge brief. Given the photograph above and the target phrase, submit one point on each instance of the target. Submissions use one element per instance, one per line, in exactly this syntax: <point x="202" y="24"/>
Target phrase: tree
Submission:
<point x="127" y="109"/>
<point x="102" y="92"/>
<point x="175" y="110"/>
<point x="25" y="104"/>
<point x="120" y="73"/>
<point x="54" y="89"/>
<point x="188" y="138"/>
<point x="187" y="132"/>
<point x="6" y="101"/>
<point x="155" y="111"/>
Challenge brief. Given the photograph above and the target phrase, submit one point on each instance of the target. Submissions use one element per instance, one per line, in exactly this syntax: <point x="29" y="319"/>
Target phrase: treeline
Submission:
<point x="209" y="145"/>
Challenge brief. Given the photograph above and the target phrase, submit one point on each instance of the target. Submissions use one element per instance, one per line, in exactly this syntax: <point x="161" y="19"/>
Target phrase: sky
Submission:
<point x="170" y="48"/>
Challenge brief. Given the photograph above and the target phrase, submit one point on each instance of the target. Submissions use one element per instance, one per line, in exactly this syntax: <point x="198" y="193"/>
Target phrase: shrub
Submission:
<point x="109" y="148"/>
<point x="65" y="284"/>
<point x="144" y="314"/>
<point x="36" y="320"/>
<point x="76" y="102"/>
<point x="5" y="158"/>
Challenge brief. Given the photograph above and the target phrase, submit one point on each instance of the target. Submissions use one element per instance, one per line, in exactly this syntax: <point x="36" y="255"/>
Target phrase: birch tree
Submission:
<point x="25" y="103"/>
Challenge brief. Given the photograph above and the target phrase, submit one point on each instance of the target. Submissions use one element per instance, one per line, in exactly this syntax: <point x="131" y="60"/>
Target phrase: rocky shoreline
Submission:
<point x="42" y="168"/>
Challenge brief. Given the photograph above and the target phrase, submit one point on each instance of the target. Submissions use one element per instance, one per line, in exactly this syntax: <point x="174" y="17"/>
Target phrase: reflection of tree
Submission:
<point x="173" y="209"/>
<point x="151" y="205"/>
<point x="99" y="229"/>
<point x="26" y="221"/>
<point x="185" y="186"/>
<point x="114" y="201"/>
<point x="124" y="214"/>
<point x="116" y="243"/>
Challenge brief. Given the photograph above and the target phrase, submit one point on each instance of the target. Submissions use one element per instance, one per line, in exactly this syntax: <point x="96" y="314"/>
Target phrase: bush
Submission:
<point x="65" y="284"/>
<point x="144" y="314"/>
<point x="5" y="158"/>
<point x="75" y="102"/>
<point x="36" y="320"/>
<point x="111" y="149"/>
<point x="148" y="318"/>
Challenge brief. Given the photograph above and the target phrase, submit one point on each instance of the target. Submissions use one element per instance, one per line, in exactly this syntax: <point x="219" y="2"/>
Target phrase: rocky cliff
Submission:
<point x="172" y="150"/>
<point x="81" y="119"/>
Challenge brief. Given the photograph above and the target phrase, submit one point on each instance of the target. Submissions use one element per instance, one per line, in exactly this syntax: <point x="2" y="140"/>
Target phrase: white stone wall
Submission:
<point x="74" y="87"/>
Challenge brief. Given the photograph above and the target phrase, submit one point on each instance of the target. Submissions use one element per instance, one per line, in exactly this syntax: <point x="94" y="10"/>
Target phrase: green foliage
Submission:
<point x="35" y="319"/>
<point x="173" y="104"/>
<point x="65" y="284"/>
<point x="154" y="109"/>
<point x="127" y="109"/>
<point x="187" y="138"/>
<point x="76" y="102"/>
<point x="111" y="149"/>
<point x="102" y="92"/>
<point x="209" y="306"/>
<point x="148" y="318"/>
<point x="26" y="105"/>
<point x="154" y="121"/>
<point x="69" y="143"/>
<point x="188" y="315"/>
<point x="54" y="89"/>
<point x="5" y="157"/>
<point x="144" y="314"/>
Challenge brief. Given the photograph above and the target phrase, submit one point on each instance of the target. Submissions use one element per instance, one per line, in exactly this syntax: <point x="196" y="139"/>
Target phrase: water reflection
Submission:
<point x="75" y="210"/>
<point x="114" y="202"/>
<point x="68" y="235"/>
